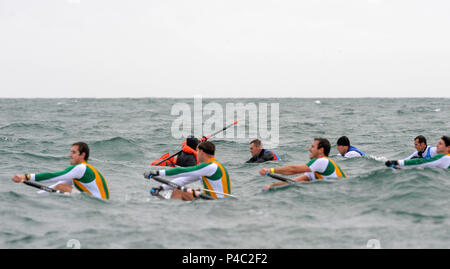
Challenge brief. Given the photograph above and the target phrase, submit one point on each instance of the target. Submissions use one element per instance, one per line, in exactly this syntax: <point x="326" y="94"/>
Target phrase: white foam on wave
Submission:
<point x="378" y="158"/>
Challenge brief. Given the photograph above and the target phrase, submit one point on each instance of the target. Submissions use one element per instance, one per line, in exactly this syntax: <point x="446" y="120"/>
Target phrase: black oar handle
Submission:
<point x="285" y="179"/>
<point x="173" y="155"/>
<point x="223" y="129"/>
<point x="41" y="187"/>
<point x="178" y="187"/>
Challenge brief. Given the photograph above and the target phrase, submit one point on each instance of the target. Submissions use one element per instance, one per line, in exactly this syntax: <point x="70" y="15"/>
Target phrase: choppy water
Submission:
<point x="407" y="208"/>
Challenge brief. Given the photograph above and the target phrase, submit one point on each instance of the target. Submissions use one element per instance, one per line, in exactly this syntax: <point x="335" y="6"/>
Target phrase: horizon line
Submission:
<point x="224" y="97"/>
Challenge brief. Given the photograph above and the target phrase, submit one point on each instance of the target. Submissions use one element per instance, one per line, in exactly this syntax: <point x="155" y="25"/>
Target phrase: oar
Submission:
<point x="285" y="179"/>
<point x="218" y="192"/>
<point x="203" y="139"/>
<point x="223" y="129"/>
<point x="41" y="187"/>
<point x="173" y="155"/>
<point x="178" y="187"/>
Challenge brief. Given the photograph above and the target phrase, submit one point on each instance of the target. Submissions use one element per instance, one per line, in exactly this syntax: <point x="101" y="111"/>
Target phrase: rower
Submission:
<point x="188" y="155"/>
<point x="319" y="167"/>
<point x="80" y="174"/>
<point x="213" y="174"/>
<point x="259" y="154"/>
<point x="422" y="150"/>
<point x="346" y="150"/>
<point x="440" y="160"/>
<point x="190" y="151"/>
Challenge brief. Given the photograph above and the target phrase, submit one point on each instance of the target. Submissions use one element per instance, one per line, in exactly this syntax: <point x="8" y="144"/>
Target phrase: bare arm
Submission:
<point x="287" y="170"/>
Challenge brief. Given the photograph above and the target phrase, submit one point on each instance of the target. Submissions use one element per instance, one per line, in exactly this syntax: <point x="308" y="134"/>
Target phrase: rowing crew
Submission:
<point x="81" y="176"/>
<point x="187" y="156"/>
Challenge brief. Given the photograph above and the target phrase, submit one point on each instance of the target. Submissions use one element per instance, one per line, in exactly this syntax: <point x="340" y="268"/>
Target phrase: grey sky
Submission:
<point x="232" y="48"/>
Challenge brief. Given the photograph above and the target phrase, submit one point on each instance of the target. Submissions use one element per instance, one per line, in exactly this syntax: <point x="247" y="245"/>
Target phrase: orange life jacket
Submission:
<point x="169" y="162"/>
<point x="189" y="150"/>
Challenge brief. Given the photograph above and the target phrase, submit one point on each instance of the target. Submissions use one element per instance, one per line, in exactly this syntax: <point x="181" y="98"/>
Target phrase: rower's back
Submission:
<point x="188" y="155"/>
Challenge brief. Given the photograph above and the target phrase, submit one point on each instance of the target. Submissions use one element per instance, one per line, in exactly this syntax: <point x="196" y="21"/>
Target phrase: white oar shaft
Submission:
<point x="218" y="192"/>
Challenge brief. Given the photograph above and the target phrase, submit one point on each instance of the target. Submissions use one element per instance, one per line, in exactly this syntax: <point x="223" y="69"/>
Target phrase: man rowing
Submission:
<point x="319" y="167"/>
<point x="188" y="150"/>
<point x="422" y="149"/>
<point x="187" y="156"/>
<point x="346" y="150"/>
<point x="214" y="176"/>
<point x="440" y="160"/>
<point x="80" y="174"/>
<point x="259" y="154"/>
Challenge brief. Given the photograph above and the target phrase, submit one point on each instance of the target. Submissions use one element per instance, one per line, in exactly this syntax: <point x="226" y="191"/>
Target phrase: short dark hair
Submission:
<point x="343" y="141"/>
<point x="192" y="142"/>
<point x="325" y="144"/>
<point x="446" y="140"/>
<point x="421" y="139"/>
<point x="207" y="147"/>
<point x="82" y="147"/>
<point x="256" y="142"/>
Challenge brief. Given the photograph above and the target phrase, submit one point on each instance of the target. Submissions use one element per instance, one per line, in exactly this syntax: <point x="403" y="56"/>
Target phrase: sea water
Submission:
<point x="375" y="206"/>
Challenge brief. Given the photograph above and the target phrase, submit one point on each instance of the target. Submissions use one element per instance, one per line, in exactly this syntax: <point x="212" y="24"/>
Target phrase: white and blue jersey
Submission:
<point x="353" y="152"/>
<point x="428" y="153"/>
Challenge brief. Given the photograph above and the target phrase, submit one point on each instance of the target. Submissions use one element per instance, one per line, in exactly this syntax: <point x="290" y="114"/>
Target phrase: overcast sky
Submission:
<point x="229" y="48"/>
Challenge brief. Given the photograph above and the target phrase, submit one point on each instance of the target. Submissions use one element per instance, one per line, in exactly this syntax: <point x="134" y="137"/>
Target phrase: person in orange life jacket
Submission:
<point x="188" y="156"/>
<point x="346" y="150"/>
<point x="259" y="154"/>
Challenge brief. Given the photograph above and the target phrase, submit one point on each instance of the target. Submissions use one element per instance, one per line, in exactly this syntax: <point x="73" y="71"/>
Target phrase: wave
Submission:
<point x="10" y="196"/>
<point x="30" y="127"/>
<point x="44" y="157"/>
<point x="117" y="148"/>
<point x="20" y="156"/>
<point x="113" y="141"/>
<point x="418" y="189"/>
<point x="418" y="217"/>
